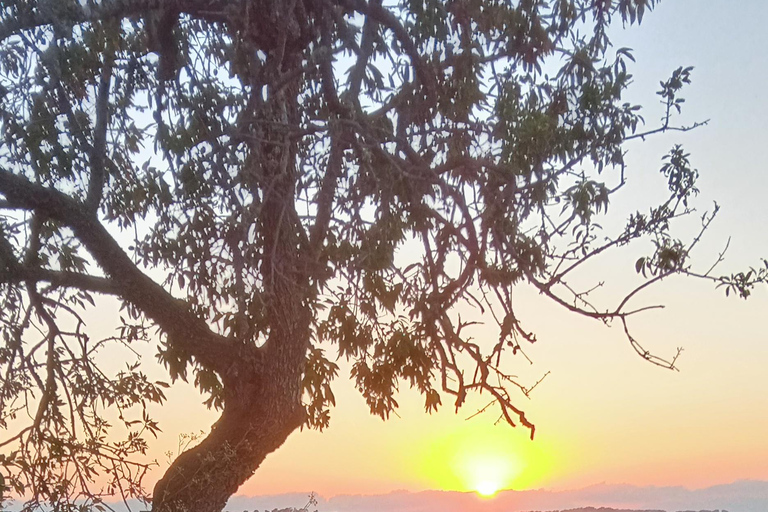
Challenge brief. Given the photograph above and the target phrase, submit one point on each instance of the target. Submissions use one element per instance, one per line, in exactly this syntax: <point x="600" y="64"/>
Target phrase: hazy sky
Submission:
<point x="602" y="415"/>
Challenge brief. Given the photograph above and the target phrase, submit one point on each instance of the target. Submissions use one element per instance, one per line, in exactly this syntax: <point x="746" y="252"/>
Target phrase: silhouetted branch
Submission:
<point x="170" y="313"/>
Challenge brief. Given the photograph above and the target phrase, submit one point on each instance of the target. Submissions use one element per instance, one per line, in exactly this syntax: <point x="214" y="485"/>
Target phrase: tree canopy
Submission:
<point x="267" y="186"/>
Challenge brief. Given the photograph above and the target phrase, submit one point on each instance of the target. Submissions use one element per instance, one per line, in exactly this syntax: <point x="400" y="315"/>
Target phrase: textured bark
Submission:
<point x="262" y="387"/>
<point x="261" y="410"/>
<point x="262" y="394"/>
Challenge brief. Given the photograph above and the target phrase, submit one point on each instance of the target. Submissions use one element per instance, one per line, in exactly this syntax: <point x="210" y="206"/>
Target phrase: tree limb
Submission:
<point x="62" y="279"/>
<point x="377" y="12"/>
<point x="98" y="175"/>
<point x="357" y="74"/>
<point x="50" y="12"/>
<point x="172" y="315"/>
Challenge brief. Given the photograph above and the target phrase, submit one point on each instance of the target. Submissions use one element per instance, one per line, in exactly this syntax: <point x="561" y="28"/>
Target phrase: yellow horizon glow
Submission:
<point x="476" y="456"/>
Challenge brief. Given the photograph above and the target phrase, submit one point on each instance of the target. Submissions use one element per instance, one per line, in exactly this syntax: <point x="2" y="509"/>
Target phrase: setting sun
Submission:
<point x="487" y="473"/>
<point x="487" y="488"/>
<point x="482" y="458"/>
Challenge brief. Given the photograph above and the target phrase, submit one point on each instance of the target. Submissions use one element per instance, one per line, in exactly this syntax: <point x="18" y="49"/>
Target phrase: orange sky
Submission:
<point x="602" y="415"/>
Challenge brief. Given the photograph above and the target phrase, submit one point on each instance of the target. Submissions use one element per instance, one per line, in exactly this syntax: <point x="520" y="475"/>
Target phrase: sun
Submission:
<point x="487" y="473"/>
<point x="481" y="461"/>
<point x="487" y="488"/>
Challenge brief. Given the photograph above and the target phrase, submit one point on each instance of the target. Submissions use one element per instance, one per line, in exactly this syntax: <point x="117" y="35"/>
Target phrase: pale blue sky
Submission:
<point x="725" y="41"/>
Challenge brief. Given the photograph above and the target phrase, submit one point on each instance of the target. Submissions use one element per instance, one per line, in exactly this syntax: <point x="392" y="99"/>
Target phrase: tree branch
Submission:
<point x="62" y="279"/>
<point x="172" y="315"/>
<point x="357" y="74"/>
<point x="98" y="151"/>
<point x="326" y="195"/>
<point x="52" y="12"/>
<point x="377" y="12"/>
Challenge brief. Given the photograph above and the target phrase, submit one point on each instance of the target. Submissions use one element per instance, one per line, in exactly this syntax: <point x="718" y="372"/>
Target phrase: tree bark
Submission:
<point x="262" y="397"/>
<point x="263" y="386"/>
<point x="261" y="410"/>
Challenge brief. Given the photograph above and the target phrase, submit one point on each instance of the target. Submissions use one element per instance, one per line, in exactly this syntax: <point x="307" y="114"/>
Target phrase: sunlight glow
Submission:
<point x="484" y="459"/>
<point x="486" y="473"/>
<point x="487" y="488"/>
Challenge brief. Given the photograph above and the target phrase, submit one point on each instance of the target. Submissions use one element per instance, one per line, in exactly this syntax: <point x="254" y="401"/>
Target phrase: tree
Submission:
<point x="258" y="182"/>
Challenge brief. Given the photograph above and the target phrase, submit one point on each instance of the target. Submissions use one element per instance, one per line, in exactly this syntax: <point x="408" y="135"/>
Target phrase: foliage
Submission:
<point x="266" y="186"/>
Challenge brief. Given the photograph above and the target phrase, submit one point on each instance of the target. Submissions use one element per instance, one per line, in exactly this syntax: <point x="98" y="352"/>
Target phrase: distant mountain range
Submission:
<point x="587" y="509"/>
<point x="741" y="496"/>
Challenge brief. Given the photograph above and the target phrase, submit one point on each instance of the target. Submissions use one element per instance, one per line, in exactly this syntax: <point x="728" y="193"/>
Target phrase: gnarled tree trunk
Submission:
<point x="262" y="407"/>
<point x="263" y="387"/>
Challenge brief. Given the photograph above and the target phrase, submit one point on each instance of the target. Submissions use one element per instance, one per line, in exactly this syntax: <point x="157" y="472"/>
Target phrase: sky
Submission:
<point x="602" y="414"/>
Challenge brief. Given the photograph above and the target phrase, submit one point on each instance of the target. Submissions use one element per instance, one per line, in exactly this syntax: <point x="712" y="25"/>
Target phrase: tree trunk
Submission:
<point x="254" y="423"/>
<point x="262" y="407"/>
<point x="263" y="388"/>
